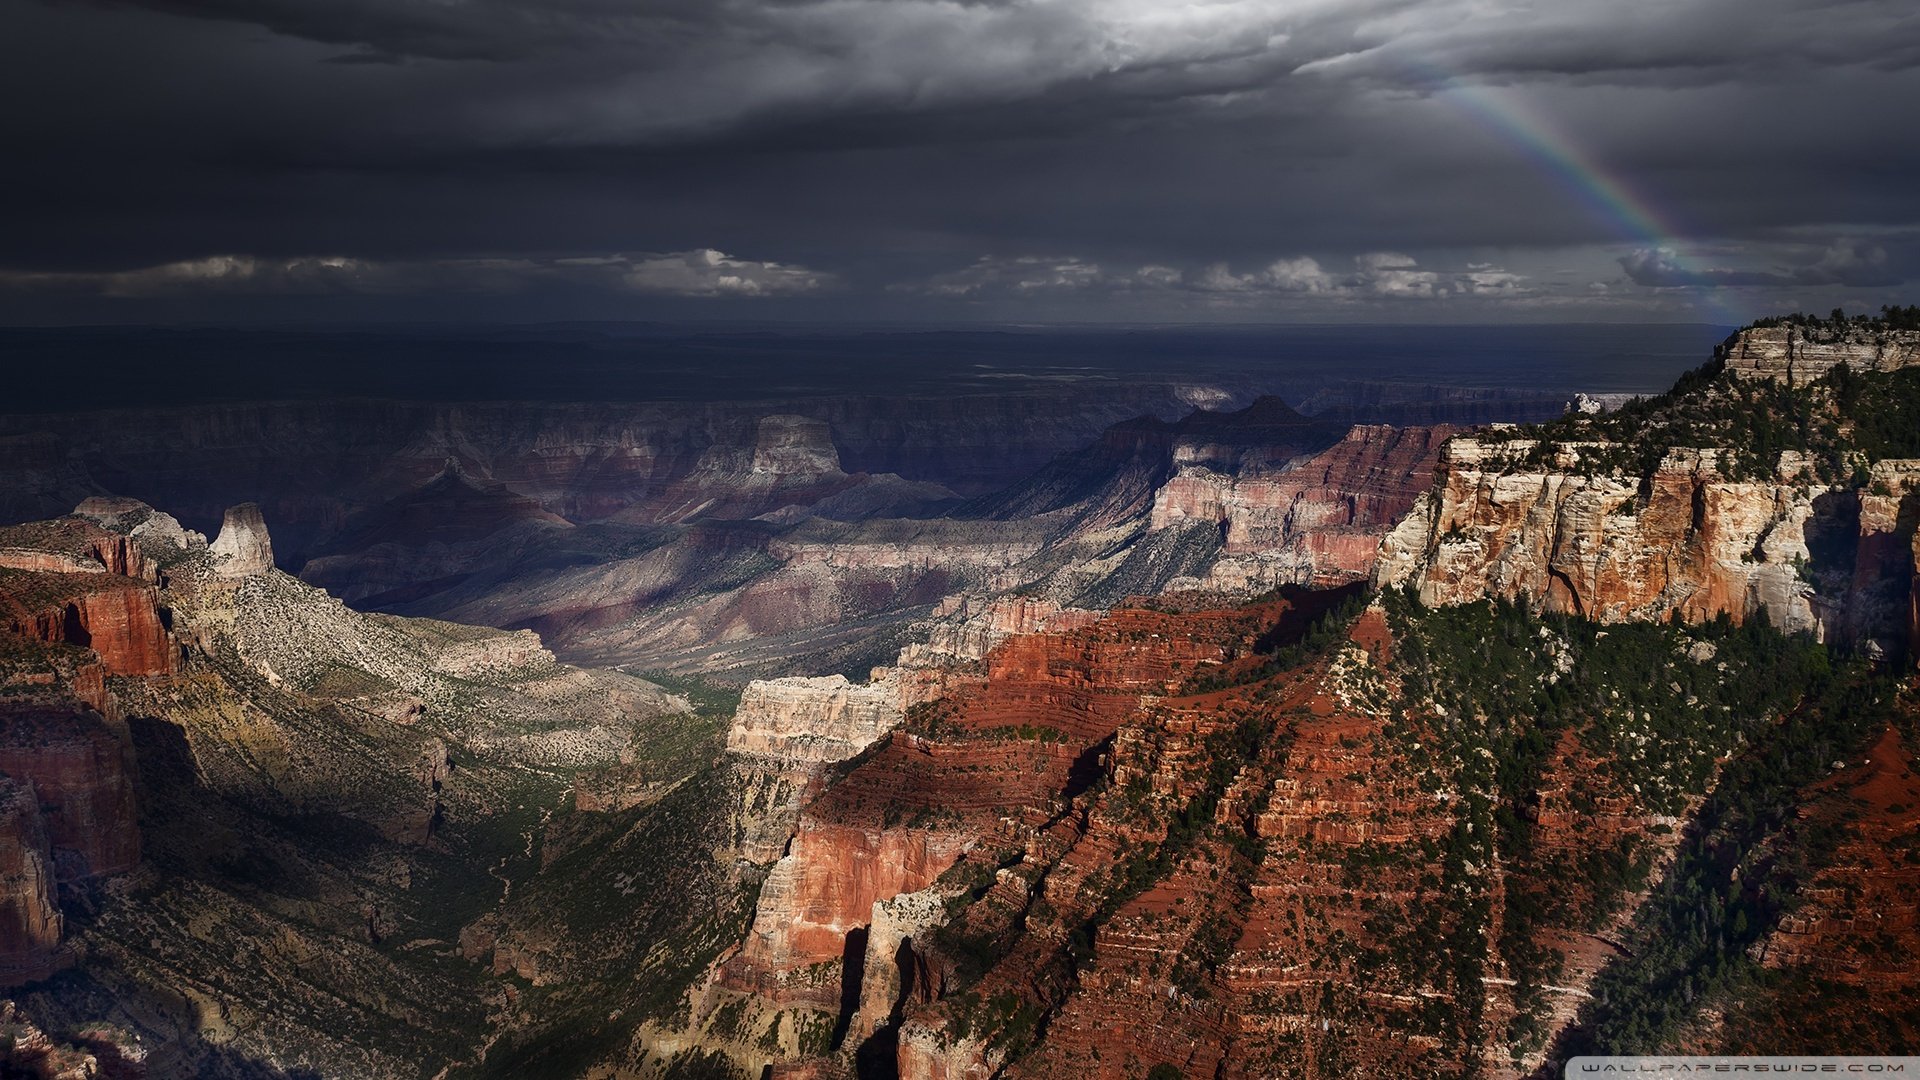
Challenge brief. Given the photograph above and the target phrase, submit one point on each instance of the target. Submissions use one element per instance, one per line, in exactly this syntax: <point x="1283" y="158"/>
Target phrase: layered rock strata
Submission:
<point x="30" y="919"/>
<point x="1317" y="521"/>
<point x="1798" y="355"/>
<point x="117" y="617"/>
<point x="812" y="721"/>
<point x="80" y="766"/>
<point x="243" y="547"/>
<point x="1686" y="543"/>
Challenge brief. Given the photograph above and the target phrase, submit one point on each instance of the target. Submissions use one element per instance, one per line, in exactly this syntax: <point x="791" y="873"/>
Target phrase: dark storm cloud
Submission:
<point x="471" y="30"/>
<point x="917" y="153"/>
<point x="1846" y="262"/>
<point x="688" y="273"/>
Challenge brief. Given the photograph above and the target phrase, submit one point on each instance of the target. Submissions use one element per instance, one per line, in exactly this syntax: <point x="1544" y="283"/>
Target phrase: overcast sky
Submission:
<point x="951" y="160"/>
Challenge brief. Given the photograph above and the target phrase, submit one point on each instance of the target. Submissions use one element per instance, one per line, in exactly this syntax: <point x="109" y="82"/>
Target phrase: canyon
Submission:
<point x="1227" y="741"/>
<point x="955" y="903"/>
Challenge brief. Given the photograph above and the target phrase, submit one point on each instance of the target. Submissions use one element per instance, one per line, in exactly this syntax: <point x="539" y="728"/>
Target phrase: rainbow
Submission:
<point x="1608" y="196"/>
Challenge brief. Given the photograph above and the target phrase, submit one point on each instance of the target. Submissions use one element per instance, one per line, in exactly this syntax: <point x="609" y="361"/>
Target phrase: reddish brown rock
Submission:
<point x="1843" y="957"/>
<point x="994" y="759"/>
<point x="1052" y="785"/>
<point x="1315" y="522"/>
<point x="117" y="617"/>
<point x="30" y="920"/>
<point x="1856" y="923"/>
<point x="80" y="766"/>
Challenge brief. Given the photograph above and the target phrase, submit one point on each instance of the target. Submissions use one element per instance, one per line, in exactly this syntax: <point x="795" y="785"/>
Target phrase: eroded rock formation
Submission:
<point x="117" y="617"/>
<point x="1687" y="543"/>
<point x="1800" y="354"/>
<point x="80" y="766"/>
<point x="1317" y="521"/>
<point x="30" y="919"/>
<point x="243" y="547"/>
<point x="812" y="721"/>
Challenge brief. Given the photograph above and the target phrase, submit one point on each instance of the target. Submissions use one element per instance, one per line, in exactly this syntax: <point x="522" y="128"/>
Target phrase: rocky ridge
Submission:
<point x="316" y="787"/>
<point x="1149" y="840"/>
<point x="1818" y="537"/>
<point x="1799" y="354"/>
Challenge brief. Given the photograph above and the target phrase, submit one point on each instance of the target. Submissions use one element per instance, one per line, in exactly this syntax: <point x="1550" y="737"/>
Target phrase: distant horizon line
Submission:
<point x="357" y="326"/>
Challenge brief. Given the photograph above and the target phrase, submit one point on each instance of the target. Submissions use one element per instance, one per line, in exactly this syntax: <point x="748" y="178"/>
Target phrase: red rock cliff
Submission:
<point x="30" y="920"/>
<point x="117" y="617"/>
<point x="1317" y="521"/>
<point x="80" y="766"/>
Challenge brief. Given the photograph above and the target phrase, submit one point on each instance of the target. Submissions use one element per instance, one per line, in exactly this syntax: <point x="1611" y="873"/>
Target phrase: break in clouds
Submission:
<point x="917" y="158"/>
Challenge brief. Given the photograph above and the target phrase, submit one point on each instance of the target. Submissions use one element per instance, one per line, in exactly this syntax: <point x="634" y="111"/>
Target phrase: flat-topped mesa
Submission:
<point x="790" y="446"/>
<point x="812" y="721"/>
<point x="1798" y="354"/>
<point x="243" y="547"/>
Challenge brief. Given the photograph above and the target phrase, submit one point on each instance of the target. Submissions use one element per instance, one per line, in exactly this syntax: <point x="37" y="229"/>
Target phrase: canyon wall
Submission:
<point x="117" y="617"/>
<point x="314" y="464"/>
<point x="1315" y="521"/>
<point x="1798" y="355"/>
<point x="30" y="919"/>
<point x="80" y="765"/>
<point x="1688" y="543"/>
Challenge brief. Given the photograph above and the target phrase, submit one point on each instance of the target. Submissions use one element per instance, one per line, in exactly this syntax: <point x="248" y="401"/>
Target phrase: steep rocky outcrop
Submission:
<point x="80" y="767"/>
<point x="812" y="720"/>
<point x="1685" y="542"/>
<point x="1567" y="539"/>
<point x="30" y="919"/>
<point x="243" y="547"/>
<point x="118" y="617"/>
<point x="1799" y="354"/>
<point x="1214" y="840"/>
<point x="811" y="925"/>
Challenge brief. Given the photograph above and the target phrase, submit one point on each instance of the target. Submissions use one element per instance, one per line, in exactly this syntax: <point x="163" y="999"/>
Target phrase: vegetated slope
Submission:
<point x="1250" y="842"/>
<point x="1504" y="832"/>
<point x="270" y="849"/>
